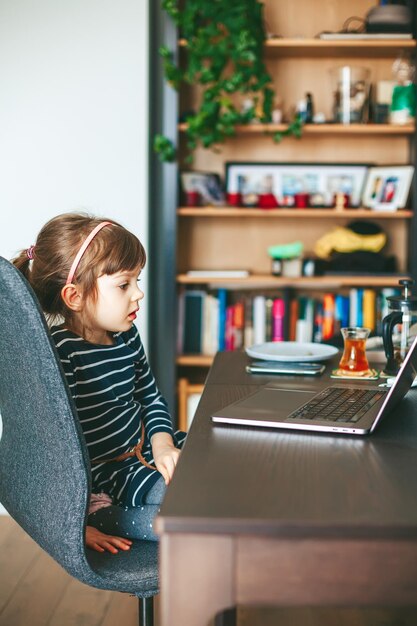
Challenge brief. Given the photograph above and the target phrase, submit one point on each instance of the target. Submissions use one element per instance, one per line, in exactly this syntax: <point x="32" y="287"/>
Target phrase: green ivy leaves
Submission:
<point x="224" y="56"/>
<point x="165" y="148"/>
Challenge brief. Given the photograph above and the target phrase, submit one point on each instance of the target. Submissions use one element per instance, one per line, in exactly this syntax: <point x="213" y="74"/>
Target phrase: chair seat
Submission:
<point x="133" y="571"/>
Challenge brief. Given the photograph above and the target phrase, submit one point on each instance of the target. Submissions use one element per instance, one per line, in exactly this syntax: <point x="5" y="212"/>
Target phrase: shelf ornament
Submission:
<point x="224" y="57"/>
<point x="403" y="104"/>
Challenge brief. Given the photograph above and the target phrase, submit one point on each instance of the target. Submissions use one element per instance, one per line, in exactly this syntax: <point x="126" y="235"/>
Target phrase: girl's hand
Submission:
<point x="165" y="455"/>
<point x="98" y="541"/>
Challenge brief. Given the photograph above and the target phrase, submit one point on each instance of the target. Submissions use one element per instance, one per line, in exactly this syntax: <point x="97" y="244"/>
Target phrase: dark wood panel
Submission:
<point x="321" y="616"/>
<point x="327" y="573"/>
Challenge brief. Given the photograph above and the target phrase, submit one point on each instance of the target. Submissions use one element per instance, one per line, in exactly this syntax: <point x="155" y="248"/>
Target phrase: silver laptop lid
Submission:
<point x="401" y="384"/>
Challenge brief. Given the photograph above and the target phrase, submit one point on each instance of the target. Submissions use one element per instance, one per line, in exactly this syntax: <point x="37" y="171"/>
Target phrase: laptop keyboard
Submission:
<point x="338" y="404"/>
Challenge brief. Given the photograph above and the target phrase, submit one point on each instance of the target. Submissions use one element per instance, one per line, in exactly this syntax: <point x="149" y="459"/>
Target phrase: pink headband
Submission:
<point x="83" y="248"/>
<point x="30" y="252"/>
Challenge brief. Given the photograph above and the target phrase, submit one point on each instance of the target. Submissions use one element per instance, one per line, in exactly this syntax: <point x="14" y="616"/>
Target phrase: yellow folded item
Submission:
<point x="345" y="240"/>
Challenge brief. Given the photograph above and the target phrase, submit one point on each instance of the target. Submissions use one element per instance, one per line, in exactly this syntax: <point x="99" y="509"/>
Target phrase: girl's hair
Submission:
<point x="113" y="249"/>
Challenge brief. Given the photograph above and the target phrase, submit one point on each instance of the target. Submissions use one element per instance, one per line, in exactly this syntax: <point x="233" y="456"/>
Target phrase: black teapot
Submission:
<point x="403" y="308"/>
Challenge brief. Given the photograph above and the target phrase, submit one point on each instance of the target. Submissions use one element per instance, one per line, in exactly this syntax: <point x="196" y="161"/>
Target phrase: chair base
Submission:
<point x="146" y="611"/>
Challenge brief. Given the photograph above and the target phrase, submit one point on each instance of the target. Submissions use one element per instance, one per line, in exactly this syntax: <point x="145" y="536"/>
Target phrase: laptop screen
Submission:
<point x="402" y="383"/>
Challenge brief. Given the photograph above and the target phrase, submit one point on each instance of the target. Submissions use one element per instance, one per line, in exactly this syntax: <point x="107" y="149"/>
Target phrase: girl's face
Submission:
<point x="116" y="306"/>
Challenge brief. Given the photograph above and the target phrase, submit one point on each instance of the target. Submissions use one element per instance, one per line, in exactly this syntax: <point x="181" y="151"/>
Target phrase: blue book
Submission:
<point x="345" y="312"/>
<point x="359" y="310"/>
<point x="342" y="311"/>
<point x="222" y="297"/>
<point x="318" y="321"/>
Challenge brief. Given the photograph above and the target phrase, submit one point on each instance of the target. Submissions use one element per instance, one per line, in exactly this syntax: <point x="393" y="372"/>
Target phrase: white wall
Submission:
<point x="73" y="115"/>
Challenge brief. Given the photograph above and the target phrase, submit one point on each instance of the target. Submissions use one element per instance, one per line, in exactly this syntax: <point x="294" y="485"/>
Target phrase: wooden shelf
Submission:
<point x="322" y="129"/>
<point x="194" y="360"/>
<point x="312" y="47"/>
<point x="291" y="213"/>
<point x="338" y="48"/>
<point x="315" y="282"/>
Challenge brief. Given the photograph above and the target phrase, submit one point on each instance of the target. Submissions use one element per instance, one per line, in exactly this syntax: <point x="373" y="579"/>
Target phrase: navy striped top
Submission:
<point x="114" y="391"/>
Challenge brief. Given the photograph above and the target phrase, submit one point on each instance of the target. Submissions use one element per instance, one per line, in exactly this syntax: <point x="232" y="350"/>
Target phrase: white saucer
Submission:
<point x="291" y="351"/>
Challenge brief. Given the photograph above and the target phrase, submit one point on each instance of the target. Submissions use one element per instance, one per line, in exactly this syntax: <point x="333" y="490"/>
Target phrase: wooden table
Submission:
<point x="261" y="516"/>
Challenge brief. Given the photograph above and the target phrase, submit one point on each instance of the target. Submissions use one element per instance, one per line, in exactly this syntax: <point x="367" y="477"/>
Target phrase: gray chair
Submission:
<point x="44" y="465"/>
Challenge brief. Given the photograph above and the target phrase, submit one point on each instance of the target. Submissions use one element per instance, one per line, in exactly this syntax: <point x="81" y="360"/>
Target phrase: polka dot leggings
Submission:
<point x="135" y="522"/>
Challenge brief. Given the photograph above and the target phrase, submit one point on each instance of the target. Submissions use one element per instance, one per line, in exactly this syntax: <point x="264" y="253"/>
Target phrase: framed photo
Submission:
<point x="269" y="185"/>
<point x="387" y="188"/>
<point x="202" y="188"/>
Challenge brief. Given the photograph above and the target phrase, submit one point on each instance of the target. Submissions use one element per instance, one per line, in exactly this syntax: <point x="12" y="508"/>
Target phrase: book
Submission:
<point x="248" y="332"/>
<point x="238" y="324"/>
<point x="210" y="325"/>
<point x="229" y="335"/>
<point x="353" y="306"/>
<point x="268" y="318"/>
<point x="369" y="309"/>
<point x="359" y="309"/>
<point x="309" y="317"/>
<point x="278" y="314"/>
<point x="287" y="298"/>
<point x="318" y="322"/>
<point x="193" y="321"/>
<point x="222" y="298"/>
<point x="259" y="320"/>
<point x="302" y="331"/>
<point x="294" y="306"/>
<point x="328" y="315"/>
<point x="305" y="322"/>
<point x="341" y="312"/>
<point x="180" y="322"/>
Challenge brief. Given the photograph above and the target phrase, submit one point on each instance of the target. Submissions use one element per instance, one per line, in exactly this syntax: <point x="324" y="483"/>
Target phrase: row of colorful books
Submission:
<point x="223" y="319"/>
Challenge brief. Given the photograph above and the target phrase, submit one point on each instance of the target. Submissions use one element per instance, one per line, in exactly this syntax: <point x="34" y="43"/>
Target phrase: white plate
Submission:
<point x="291" y="351"/>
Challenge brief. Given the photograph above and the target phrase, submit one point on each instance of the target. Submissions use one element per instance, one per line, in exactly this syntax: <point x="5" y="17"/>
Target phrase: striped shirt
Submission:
<point x="114" y="392"/>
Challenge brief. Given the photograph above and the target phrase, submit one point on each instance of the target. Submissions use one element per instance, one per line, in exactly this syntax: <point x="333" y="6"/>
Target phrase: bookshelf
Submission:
<point x="244" y="212"/>
<point x="194" y="237"/>
<point x="324" y="129"/>
<point x="315" y="282"/>
<point x="308" y="46"/>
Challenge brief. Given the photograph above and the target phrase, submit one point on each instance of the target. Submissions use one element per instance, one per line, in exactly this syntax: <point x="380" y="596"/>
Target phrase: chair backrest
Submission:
<point x="44" y="467"/>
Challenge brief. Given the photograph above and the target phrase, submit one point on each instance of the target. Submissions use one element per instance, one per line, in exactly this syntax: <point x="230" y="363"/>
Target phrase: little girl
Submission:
<point x="84" y="271"/>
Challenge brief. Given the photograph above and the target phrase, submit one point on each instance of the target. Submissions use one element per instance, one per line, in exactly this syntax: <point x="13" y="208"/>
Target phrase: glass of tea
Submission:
<point x="354" y="352"/>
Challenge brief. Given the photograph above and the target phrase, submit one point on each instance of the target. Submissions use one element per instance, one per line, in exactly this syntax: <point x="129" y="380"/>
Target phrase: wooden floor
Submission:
<point x="35" y="591"/>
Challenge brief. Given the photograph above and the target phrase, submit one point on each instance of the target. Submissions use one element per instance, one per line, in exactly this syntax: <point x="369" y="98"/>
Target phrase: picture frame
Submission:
<point x="387" y="187"/>
<point x="272" y="185"/>
<point x="202" y="188"/>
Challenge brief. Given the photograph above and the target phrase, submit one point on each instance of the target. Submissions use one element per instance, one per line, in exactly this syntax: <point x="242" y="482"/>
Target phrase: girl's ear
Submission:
<point x="72" y="297"/>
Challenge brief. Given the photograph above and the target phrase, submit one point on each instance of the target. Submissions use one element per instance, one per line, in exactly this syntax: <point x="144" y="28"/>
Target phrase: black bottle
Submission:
<point x="309" y="108"/>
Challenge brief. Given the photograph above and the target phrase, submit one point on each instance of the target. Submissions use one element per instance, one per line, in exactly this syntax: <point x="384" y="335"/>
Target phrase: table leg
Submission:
<point x="197" y="578"/>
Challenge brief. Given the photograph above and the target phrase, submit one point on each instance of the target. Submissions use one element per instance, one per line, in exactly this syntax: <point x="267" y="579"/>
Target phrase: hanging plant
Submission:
<point x="224" y="44"/>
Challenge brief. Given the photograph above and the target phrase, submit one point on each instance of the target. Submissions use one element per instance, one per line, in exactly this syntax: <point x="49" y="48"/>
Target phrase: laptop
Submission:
<point x="339" y="408"/>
